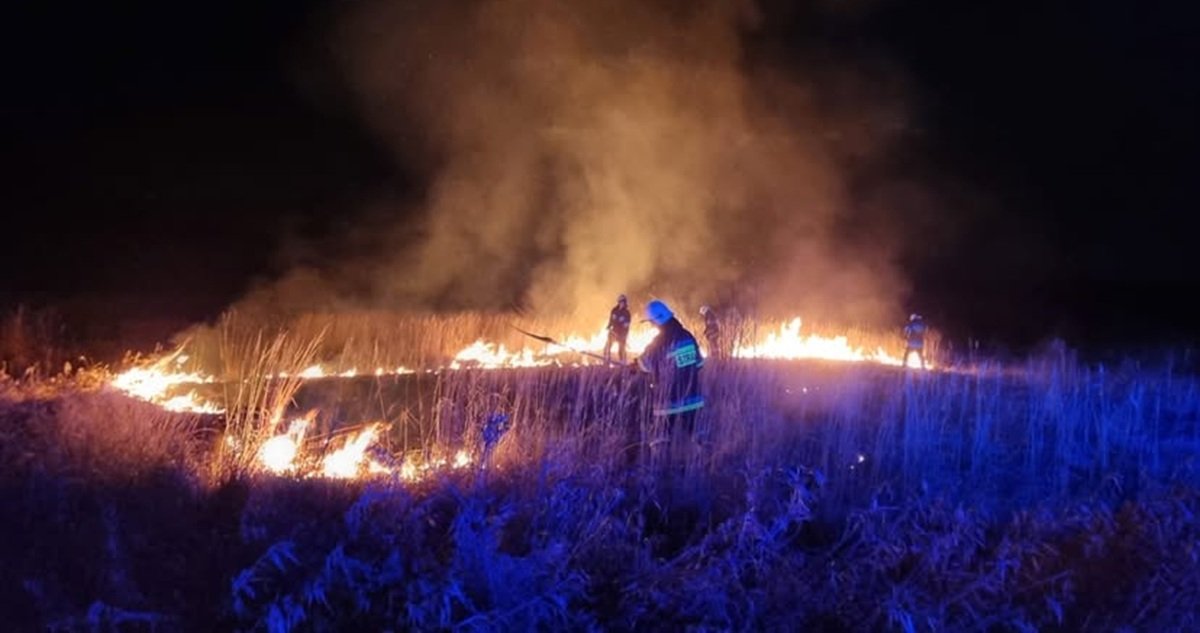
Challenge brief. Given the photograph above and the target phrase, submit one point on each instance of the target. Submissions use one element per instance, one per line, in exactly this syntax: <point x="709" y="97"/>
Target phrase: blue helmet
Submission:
<point x="658" y="312"/>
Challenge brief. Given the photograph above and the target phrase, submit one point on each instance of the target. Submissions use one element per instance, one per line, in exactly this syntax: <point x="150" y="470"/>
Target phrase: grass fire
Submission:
<point x="599" y="315"/>
<point x="170" y="383"/>
<point x="488" y="477"/>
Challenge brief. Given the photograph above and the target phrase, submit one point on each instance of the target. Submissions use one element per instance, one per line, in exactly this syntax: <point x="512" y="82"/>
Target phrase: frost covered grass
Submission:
<point x="840" y="497"/>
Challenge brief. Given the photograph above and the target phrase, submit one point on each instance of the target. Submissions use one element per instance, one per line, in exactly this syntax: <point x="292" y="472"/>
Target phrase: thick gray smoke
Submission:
<point x="577" y="150"/>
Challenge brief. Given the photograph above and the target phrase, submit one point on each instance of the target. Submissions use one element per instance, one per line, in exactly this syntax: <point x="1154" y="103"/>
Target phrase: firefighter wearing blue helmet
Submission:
<point x="914" y="339"/>
<point x="673" y="360"/>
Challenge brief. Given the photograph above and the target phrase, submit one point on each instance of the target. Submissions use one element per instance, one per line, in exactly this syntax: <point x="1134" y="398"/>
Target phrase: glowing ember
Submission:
<point x="345" y="462"/>
<point x="278" y="454"/>
<point x="415" y="470"/>
<point x="316" y="371"/>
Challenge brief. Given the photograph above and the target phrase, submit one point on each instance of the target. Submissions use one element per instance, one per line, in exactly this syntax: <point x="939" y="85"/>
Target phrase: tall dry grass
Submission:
<point x="831" y="496"/>
<point x="367" y="340"/>
<point x="260" y="380"/>
<point x="1000" y="436"/>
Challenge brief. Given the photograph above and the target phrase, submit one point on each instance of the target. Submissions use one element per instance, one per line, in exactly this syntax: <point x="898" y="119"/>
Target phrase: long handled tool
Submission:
<point x="547" y="339"/>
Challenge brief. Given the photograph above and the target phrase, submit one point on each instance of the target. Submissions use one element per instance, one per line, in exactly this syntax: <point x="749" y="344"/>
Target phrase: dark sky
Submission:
<point x="157" y="157"/>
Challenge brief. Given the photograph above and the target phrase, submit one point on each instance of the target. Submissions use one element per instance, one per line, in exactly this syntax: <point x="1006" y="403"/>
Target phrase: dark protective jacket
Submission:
<point x="674" y="360"/>
<point x="914" y="334"/>
<point x="618" y="320"/>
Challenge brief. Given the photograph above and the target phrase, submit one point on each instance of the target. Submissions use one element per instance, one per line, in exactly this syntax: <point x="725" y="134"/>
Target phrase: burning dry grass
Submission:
<point x="260" y="379"/>
<point x="823" y="495"/>
<point x="361" y="341"/>
<point x="369" y="342"/>
<point x="260" y="371"/>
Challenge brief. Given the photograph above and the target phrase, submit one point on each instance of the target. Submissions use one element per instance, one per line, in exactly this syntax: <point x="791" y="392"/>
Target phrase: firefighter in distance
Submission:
<point x="618" y="329"/>
<point x="914" y="339"/>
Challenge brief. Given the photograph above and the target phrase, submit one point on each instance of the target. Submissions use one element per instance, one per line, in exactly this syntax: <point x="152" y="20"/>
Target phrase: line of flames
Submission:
<point x="280" y="453"/>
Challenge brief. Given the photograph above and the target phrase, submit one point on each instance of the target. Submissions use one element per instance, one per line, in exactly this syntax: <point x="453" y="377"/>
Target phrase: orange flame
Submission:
<point x="157" y="382"/>
<point x="492" y="356"/>
<point x="414" y="470"/>
<point x="787" y="343"/>
<point x="278" y="454"/>
<point x="346" y="462"/>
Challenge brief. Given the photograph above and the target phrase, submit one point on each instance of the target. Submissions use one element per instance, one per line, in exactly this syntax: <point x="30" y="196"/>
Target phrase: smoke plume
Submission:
<point x="571" y="151"/>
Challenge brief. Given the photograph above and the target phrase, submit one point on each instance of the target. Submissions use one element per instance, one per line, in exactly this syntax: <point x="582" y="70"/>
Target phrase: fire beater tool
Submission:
<point x="547" y="339"/>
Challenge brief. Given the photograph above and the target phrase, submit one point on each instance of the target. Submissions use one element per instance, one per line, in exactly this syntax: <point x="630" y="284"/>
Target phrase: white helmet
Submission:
<point x="914" y="316"/>
<point x="704" y="309"/>
<point x="658" y="312"/>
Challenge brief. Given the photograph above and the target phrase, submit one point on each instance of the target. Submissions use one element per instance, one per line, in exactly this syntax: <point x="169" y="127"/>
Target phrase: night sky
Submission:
<point x="159" y="158"/>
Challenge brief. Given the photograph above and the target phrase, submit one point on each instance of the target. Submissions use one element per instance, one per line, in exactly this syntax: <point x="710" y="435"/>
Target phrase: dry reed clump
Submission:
<point x="260" y="379"/>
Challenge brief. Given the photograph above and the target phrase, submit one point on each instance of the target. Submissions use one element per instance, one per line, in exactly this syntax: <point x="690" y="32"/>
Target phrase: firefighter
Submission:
<point x="673" y="360"/>
<point x="618" y="329"/>
<point x="712" y="331"/>
<point x="914" y="339"/>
